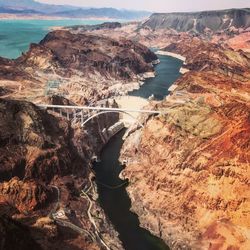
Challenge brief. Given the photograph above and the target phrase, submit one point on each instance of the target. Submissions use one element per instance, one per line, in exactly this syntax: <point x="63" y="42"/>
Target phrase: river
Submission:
<point x="115" y="201"/>
<point x="167" y="72"/>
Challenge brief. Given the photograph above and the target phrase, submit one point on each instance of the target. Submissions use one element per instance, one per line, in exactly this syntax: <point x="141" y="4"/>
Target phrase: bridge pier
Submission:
<point x="78" y="112"/>
<point x="81" y="116"/>
<point x="67" y="114"/>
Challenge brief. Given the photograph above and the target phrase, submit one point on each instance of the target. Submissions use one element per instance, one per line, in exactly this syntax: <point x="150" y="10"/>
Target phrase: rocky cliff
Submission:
<point x="189" y="168"/>
<point x="229" y="27"/>
<point x="14" y="235"/>
<point x="44" y="165"/>
<point x="45" y="161"/>
<point x="89" y="55"/>
<point x="201" y="22"/>
<point x="206" y="56"/>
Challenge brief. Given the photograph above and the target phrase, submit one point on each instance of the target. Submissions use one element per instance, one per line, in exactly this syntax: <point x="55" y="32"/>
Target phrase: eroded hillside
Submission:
<point x="189" y="169"/>
<point x="87" y="67"/>
<point x="44" y="165"/>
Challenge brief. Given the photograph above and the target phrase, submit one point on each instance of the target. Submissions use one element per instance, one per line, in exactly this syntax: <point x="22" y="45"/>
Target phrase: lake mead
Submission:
<point x="16" y="35"/>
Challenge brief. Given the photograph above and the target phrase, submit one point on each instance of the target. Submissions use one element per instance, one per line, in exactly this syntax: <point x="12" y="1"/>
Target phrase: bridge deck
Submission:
<point x="99" y="108"/>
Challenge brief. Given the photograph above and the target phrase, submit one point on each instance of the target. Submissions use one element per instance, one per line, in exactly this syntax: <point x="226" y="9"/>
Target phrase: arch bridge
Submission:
<point x="84" y="114"/>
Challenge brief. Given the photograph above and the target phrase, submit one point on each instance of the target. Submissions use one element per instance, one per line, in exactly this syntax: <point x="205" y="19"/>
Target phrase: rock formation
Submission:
<point x="38" y="154"/>
<point x="189" y="169"/>
<point x="206" y="56"/>
<point x="83" y="65"/>
<point x="88" y="54"/>
<point x="228" y="27"/>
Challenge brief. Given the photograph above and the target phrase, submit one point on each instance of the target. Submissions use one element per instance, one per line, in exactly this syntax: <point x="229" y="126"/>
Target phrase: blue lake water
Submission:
<point x="16" y="35"/>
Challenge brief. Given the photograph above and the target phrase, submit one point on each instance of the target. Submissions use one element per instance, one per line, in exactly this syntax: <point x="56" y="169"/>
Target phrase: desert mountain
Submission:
<point x="35" y="7"/>
<point x="200" y="22"/>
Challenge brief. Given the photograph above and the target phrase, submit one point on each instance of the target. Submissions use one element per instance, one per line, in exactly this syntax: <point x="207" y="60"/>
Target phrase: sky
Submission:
<point x="157" y="5"/>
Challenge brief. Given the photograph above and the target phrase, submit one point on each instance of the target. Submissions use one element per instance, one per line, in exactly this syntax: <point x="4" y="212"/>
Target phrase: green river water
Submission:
<point x="116" y="202"/>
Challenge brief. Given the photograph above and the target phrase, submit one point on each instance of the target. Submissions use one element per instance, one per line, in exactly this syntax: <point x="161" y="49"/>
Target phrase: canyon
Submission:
<point x="188" y="168"/>
<point x="45" y="163"/>
<point x="45" y="160"/>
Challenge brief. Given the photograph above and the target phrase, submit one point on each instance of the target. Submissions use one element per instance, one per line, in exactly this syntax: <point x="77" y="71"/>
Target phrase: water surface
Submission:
<point x="16" y="35"/>
<point x="167" y="73"/>
<point x="116" y="202"/>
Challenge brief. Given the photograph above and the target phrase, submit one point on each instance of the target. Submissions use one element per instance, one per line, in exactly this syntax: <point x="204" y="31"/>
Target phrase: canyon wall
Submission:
<point x="189" y="167"/>
<point x="41" y="155"/>
<point x="45" y="161"/>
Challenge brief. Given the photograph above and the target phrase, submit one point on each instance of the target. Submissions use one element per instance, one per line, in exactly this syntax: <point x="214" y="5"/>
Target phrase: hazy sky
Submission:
<point x="157" y="5"/>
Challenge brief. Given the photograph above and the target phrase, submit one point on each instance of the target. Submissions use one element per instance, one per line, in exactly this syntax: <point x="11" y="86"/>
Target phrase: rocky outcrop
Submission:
<point x="15" y="236"/>
<point x="88" y="66"/>
<point x="25" y="196"/>
<point x="228" y="27"/>
<point x="88" y="54"/>
<point x="188" y="169"/>
<point x="206" y="56"/>
<point x="34" y="144"/>
<point x="44" y="165"/>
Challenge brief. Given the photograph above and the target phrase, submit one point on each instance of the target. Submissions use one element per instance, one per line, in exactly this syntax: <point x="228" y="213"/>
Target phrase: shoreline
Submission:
<point x="122" y="89"/>
<point x="175" y="55"/>
<point x="182" y="70"/>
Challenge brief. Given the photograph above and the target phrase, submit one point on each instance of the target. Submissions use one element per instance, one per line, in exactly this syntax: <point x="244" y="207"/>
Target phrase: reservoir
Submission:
<point x="16" y="35"/>
<point x="112" y="193"/>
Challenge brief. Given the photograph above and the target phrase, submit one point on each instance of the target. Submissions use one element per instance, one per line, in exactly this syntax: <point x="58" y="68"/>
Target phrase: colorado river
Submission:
<point x="167" y="72"/>
<point x="115" y="201"/>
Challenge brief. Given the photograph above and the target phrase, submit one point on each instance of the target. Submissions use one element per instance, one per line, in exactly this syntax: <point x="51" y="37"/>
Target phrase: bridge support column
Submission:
<point x="74" y="111"/>
<point x="67" y="114"/>
<point x="82" y="117"/>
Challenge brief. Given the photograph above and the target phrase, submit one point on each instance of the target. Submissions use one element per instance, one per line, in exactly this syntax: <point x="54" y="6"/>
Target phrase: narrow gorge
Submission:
<point x="175" y="179"/>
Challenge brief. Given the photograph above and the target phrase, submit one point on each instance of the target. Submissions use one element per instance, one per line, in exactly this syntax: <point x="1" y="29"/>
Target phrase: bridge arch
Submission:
<point x="110" y="111"/>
